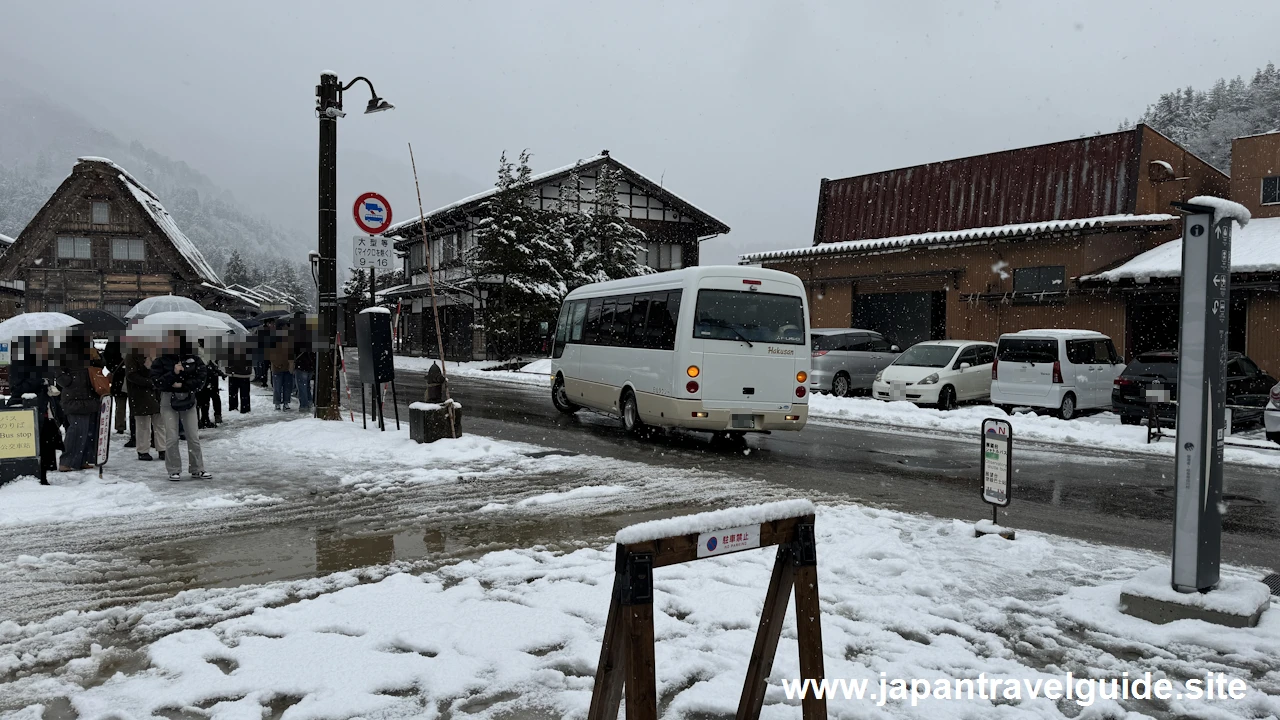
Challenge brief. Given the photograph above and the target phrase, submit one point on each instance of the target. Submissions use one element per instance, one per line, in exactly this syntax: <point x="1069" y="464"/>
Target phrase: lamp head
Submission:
<point x="377" y="104"/>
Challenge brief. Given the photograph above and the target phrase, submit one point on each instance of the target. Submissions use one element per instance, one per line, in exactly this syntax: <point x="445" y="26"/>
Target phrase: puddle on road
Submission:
<point x="295" y="553"/>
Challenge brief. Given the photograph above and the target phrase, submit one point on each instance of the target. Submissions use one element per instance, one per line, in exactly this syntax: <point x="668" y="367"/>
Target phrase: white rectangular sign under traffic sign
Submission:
<point x="729" y="540"/>
<point x="373" y="252"/>
<point x="997" y="461"/>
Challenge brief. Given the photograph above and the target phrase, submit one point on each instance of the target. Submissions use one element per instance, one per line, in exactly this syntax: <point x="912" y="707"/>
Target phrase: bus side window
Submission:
<point x="622" y="322"/>
<point x="606" y="322"/>
<point x="591" y="328"/>
<point x="666" y="336"/>
<point x="578" y="314"/>
<point x="639" y="308"/>
<point x="654" y="323"/>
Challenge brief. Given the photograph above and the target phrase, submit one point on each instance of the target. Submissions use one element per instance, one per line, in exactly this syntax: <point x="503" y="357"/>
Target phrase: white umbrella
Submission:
<point x="194" y="325"/>
<point x="231" y="322"/>
<point x="36" y="323"/>
<point x="163" y="303"/>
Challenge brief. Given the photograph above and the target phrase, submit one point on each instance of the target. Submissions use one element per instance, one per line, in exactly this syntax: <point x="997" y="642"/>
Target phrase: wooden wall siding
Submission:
<point x="1253" y="158"/>
<point x="1262" y="332"/>
<point x="1073" y="179"/>
<point x="835" y="306"/>
<point x="1193" y="176"/>
<point x="983" y="320"/>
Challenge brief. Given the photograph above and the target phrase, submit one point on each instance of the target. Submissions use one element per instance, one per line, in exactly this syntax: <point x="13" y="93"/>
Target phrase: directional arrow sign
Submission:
<point x="1219" y="280"/>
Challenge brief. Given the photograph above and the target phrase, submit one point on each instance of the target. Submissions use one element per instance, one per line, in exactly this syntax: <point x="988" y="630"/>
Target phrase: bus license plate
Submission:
<point x="744" y="421"/>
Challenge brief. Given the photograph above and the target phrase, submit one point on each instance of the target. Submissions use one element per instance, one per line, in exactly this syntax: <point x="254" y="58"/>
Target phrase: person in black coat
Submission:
<point x="179" y="374"/>
<point x="80" y="405"/>
<point x="29" y="386"/>
<point x="144" y="401"/>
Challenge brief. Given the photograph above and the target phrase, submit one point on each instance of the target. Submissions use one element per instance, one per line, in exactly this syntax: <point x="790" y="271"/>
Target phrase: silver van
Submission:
<point x="847" y="359"/>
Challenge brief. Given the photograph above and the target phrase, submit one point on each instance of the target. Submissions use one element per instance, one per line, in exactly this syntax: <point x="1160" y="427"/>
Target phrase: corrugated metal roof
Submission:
<point x="959" y="236"/>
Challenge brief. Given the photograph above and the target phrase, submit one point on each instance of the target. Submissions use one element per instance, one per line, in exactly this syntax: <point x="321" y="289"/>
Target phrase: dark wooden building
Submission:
<point x="103" y="240"/>
<point x="673" y="226"/>
<point x="979" y="246"/>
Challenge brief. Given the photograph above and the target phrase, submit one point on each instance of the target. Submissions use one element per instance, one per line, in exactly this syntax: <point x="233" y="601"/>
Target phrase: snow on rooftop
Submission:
<point x="1254" y="248"/>
<point x="127" y="176"/>
<point x="6" y="239"/>
<point x="487" y="193"/>
<point x="171" y="230"/>
<point x="968" y="234"/>
<point x="375" y="309"/>
<point x="712" y="521"/>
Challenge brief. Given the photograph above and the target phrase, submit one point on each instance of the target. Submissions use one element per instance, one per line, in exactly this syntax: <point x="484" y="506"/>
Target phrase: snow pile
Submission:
<point x="1234" y="596"/>
<point x="74" y="496"/>
<point x="432" y="407"/>
<point x="538" y="367"/>
<point x="1254" y="248"/>
<point x="517" y="633"/>
<point x="1102" y="431"/>
<point x="712" y="521"/>
<point x="477" y="369"/>
<point x="1223" y="208"/>
<point x="376" y="310"/>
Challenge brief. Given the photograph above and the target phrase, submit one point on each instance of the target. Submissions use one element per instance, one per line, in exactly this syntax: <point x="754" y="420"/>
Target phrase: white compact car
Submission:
<point x="1271" y="416"/>
<point x="938" y="372"/>
<point x="1062" y="370"/>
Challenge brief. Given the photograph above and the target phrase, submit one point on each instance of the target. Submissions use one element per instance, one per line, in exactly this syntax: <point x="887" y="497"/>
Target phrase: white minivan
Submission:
<point x="1062" y="370"/>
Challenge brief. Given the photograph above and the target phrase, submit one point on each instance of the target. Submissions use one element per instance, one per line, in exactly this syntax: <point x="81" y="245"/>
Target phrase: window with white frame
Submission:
<point x="101" y="213"/>
<point x="75" y="248"/>
<point x="128" y="249"/>
<point x="1271" y="190"/>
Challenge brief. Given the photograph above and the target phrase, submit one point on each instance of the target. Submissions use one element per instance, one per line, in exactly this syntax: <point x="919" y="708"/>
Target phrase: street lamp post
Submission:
<point x="329" y="109"/>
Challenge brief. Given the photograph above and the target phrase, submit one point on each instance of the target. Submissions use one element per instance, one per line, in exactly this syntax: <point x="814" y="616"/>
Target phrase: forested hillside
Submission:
<point x="1205" y="121"/>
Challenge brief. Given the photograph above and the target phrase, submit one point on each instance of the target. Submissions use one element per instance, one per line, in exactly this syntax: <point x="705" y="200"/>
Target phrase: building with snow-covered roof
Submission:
<point x="673" y="227"/>
<point x="979" y="246"/>
<point x="104" y="240"/>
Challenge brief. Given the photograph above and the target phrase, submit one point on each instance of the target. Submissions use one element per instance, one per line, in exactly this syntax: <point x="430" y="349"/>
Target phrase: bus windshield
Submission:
<point x="749" y="316"/>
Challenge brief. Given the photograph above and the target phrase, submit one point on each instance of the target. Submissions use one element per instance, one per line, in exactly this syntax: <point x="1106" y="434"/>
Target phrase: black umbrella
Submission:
<point x="273" y="315"/>
<point x="97" y="321"/>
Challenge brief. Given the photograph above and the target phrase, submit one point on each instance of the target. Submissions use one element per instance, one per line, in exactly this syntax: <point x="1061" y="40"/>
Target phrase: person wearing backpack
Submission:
<point x="179" y="374"/>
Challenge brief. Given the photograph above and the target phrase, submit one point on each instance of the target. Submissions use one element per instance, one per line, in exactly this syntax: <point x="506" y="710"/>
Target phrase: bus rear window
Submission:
<point x="750" y="316"/>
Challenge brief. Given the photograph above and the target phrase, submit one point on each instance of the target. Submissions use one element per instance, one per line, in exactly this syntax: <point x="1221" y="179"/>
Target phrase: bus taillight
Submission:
<point x="691" y="387"/>
<point x="800" y="391"/>
<point x="693" y="371"/>
<point x="802" y="376"/>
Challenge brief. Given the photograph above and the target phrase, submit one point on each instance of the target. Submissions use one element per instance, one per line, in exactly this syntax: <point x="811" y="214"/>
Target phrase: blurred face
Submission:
<point x="172" y="341"/>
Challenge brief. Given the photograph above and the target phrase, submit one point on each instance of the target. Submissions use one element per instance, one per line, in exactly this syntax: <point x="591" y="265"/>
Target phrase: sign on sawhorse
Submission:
<point x="627" y="653"/>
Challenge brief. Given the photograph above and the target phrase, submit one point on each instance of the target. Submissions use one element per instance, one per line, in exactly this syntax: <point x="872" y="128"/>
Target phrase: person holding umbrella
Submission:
<point x="29" y="386"/>
<point x="79" y="404"/>
<point x="179" y="374"/>
<point x="144" y="401"/>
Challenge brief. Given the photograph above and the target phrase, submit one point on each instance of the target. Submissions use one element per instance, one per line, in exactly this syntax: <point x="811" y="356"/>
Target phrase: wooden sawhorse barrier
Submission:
<point x="627" y="653"/>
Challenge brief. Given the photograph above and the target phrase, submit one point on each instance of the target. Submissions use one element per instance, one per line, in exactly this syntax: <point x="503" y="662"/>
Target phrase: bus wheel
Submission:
<point x="560" y="398"/>
<point x="631" y="421"/>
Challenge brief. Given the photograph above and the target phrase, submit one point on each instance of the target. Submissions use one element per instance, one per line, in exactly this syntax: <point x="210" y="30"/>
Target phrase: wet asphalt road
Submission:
<point x="1102" y="496"/>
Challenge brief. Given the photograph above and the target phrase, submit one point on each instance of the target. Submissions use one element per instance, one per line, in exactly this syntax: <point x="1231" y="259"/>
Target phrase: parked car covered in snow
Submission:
<point x="1271" y="416"/>
<point x="1247" y="388"/>
<point x="1062" y="370"/>
<point x="938" y="372"/>
<point x="847" y="359"/>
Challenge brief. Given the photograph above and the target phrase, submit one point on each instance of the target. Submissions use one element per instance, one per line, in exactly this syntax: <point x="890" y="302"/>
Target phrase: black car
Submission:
<point x="1144" y="379"/>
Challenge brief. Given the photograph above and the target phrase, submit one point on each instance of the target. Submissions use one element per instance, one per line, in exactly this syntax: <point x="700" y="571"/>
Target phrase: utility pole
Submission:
<point x="329" y="109"/>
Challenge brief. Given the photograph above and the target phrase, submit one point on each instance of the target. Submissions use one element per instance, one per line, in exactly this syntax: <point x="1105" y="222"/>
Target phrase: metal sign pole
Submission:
<point x="1202" y="384"/>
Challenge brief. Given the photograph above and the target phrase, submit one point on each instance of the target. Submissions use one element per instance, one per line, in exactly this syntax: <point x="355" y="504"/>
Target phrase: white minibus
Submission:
<point x="723" y="349"/>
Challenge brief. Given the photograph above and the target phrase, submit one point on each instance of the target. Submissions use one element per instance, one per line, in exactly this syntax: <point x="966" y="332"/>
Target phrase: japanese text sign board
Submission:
<point x="1202" y="385"/>
<point x="19" y="443"/>
<point x="104" y="431"/>
<point x="372" y="213"/>
<point x="997" y="461"/>
<point x="373" y="252"/>
<point x="731" y="540"/>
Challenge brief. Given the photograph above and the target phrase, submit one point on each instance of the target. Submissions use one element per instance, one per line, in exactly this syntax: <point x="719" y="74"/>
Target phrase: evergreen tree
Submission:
<point x="617" y="243"/>
<point x="569" y="232"/>
<point x="356" y="288"/>
<point x="236" y="272"/>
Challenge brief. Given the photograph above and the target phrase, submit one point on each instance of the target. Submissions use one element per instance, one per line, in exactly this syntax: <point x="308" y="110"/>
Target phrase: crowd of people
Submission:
<point x="165" y="390"/>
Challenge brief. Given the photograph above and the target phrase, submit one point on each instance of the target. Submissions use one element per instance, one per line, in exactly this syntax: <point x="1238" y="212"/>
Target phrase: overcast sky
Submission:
<point x="740" y="107"/>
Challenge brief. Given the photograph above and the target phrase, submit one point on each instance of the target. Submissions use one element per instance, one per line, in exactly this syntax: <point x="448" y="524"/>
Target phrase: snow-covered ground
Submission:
<point x="1102" y="431"/>
<point x="516" y="633"/>
<point x="536" y="372"/>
